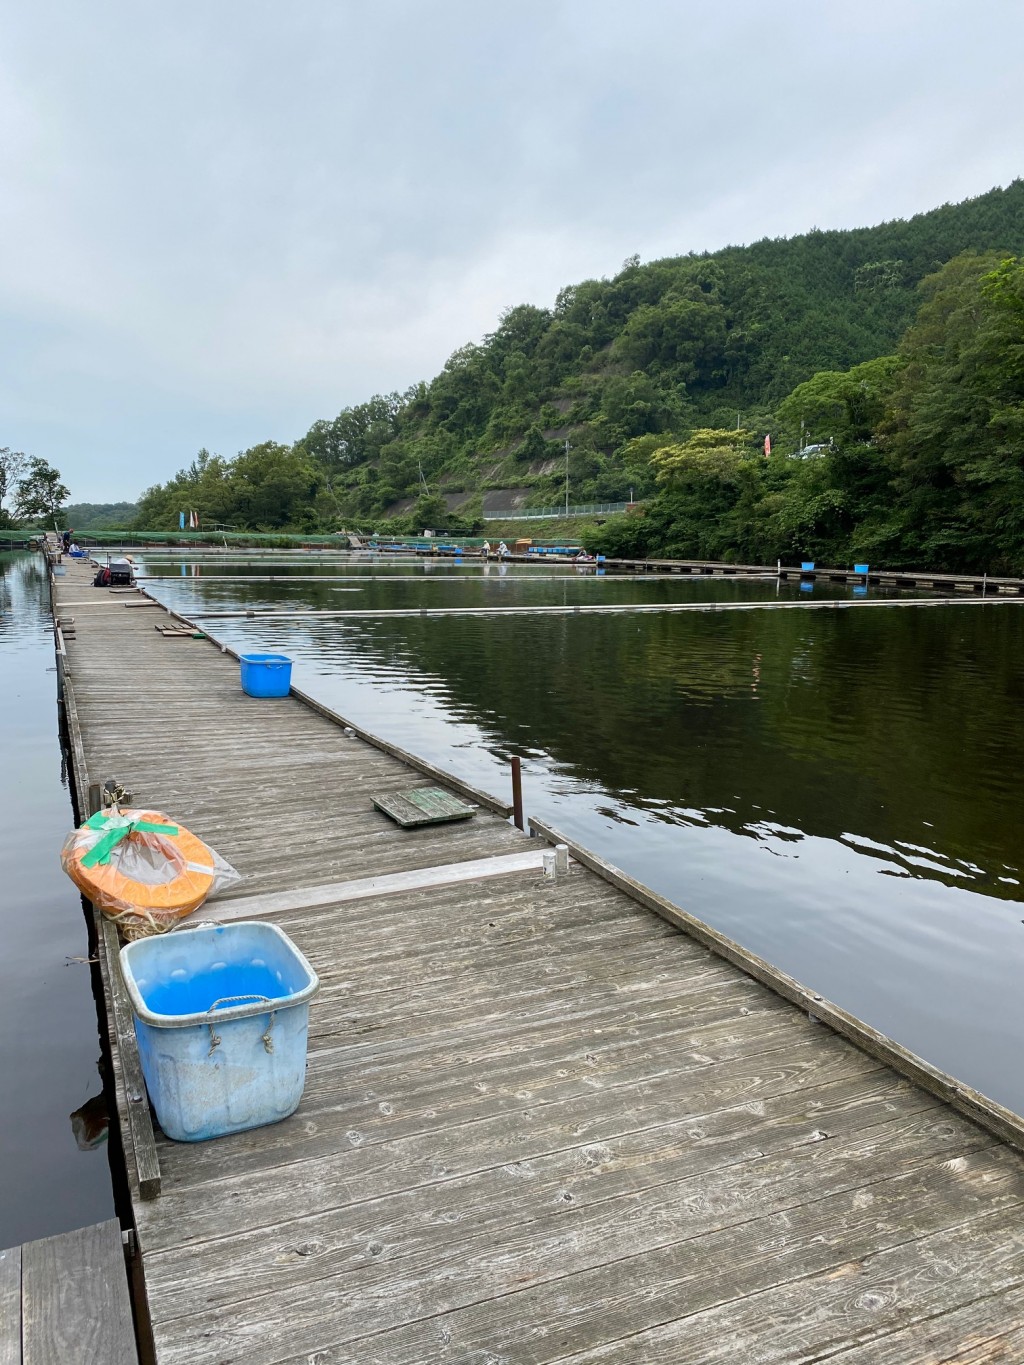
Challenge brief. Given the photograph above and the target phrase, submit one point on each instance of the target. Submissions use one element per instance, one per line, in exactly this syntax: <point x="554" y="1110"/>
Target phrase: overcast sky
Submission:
<point x="221" y="220"/>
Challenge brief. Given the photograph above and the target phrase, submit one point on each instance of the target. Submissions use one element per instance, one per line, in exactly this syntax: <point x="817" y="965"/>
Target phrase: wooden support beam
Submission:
<point x="364" y="888"/>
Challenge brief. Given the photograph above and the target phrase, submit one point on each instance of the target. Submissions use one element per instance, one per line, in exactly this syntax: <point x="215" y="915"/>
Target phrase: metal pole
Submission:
<point x="566" y="480"/>
<point x="517" y="795"/>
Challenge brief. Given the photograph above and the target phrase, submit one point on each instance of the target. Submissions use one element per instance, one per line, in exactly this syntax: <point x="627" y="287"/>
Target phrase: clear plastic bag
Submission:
<point x="143" y="870"/>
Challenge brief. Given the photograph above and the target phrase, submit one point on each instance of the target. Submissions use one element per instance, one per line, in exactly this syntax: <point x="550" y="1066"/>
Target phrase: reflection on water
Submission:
<point x="839" y="790"/>
<point x="90" y="1122"/>
<point x="47" y="1013"/>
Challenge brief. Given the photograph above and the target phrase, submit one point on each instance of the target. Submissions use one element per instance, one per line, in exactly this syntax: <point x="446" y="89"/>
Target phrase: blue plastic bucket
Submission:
<point x="266" y="675"/>
<point x="222" y="1018"/>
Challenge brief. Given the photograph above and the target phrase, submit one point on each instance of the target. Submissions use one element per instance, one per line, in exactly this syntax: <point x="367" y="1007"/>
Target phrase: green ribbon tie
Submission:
<point x="115" y="832"/>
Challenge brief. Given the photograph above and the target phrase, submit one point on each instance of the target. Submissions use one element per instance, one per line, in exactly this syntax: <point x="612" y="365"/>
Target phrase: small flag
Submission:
<point x="181" y="521"/>
<point x="767" y="445"/>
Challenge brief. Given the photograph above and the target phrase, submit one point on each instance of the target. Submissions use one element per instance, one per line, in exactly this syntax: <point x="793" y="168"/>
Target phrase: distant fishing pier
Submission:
<point x="547" y="1118"/>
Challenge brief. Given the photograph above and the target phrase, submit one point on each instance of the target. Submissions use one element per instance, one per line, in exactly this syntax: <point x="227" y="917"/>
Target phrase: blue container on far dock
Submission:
<point x="222" y="1017"/>
<point x="266" y="675"/>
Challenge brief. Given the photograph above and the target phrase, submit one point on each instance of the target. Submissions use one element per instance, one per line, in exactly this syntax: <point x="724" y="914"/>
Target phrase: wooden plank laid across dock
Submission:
<point x="65" y="1298"/>
<point x="540" y="1123"/>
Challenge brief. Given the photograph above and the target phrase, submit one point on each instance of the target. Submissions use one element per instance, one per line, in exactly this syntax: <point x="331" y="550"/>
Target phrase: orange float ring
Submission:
<point x="159" y="903"/>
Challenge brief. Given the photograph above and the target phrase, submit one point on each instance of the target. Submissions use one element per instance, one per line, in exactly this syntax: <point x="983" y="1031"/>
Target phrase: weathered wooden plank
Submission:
<point x="66" y="605"/>
<point x="364" y="1291"/>
<point x="989" y="1331"/>
<point x="363" y="888"/>
<point x="140" y="1123"/>
<point x="10" y="1306"/>
<point x="588" y="1170"/>
<point x="410" y="1017"/>
<point x="75" y="1303"/>
<point x="912" y="1280"/>
<point x="465" y="1149"/>
<point x="998" y="1119"/>
<point x="551" y="1319"/>
<point x="409" y="760"/>
<point x="373" y="1111"/>
<point x="428" y="806"/>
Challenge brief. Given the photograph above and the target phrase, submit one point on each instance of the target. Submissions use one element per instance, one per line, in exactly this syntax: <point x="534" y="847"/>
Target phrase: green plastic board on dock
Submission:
<point x="422" y="806"/>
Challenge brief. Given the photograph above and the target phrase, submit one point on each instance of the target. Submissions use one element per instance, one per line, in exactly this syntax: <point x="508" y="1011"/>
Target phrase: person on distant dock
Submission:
<point x="503" y="551"/>
<point x="487" y="549"/>
<point x="66" y="539"/>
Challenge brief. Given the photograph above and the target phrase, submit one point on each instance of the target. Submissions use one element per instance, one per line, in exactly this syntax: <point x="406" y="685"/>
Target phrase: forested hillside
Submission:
<point x="100" y="516"/>
<point x="887" y="347"/>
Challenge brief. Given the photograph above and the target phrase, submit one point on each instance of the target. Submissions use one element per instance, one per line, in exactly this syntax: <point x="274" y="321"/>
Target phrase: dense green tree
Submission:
<point x="274" y="486"/>
<point x="839" y="407"/>
<point x="683" y="336"/>
<point x="356" y="434"/>
<point x="534" y="446"/>
<point x="40" y="493"/>
<point x="12" y="467"/>
<point x="955" y="430"/>
<point x="430" y="512"/>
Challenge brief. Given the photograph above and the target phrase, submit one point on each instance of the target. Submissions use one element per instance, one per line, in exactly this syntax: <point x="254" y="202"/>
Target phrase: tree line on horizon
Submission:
<point x="893" y="352"/>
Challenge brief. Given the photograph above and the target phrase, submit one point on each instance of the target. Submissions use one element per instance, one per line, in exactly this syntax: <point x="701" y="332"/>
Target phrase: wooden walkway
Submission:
<point x="895" y="578"/>
<point x="65" y="1299"/>
<point x="540" y="1124"/>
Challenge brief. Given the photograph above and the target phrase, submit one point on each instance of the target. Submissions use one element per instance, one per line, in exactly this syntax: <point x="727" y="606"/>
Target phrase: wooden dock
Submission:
<point x="934" y="579"/>
<point x="65" y="1299"/>
<point x="540" y="1123"/>
<point x="876" y="578"/>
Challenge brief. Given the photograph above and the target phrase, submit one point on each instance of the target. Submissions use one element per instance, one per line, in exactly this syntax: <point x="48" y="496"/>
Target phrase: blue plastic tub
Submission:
<point x="222" y="1017"/>
<point x="266" y="675"/>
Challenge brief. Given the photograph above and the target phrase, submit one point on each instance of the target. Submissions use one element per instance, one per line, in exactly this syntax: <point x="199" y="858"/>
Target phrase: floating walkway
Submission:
<point x="65" y="1299"/>
<point x="540" y="1124"/>
<point x="584" y="609"/>
<point x="891" y="578"/>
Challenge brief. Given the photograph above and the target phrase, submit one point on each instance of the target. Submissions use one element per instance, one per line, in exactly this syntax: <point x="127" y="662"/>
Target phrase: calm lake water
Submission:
<point x="54" y="1107"/>
<point x="838" y="790"/>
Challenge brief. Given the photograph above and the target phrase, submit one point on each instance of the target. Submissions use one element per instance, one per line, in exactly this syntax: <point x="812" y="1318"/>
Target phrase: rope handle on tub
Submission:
<point x="215" y="1038"/>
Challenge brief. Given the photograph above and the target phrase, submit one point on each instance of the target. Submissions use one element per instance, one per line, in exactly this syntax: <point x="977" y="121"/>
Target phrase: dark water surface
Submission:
<point x="838" y="790"/>
<point x="52" y="1096"/>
